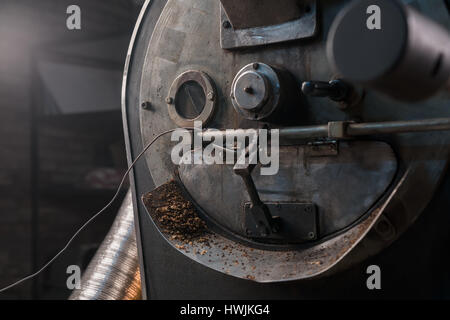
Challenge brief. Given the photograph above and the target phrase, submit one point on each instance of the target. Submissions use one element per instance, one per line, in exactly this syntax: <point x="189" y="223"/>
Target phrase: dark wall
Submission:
<point x="55" y="170"/>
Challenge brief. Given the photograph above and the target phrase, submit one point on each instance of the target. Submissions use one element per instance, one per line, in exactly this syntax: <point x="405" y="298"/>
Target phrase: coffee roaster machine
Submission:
<point x="359" y="91"/>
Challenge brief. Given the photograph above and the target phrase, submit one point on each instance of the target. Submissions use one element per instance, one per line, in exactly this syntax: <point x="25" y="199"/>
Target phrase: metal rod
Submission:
<point x="350" y="129"/>
<point x="305" y="132"/>
<point x="358" y="129"/>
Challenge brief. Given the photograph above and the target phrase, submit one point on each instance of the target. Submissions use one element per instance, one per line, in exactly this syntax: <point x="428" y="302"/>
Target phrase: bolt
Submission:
<point x="311" y="235"/>
<point x="256" y="66"/>
<point x="226" y="24"/>
<point x="336" y="90"/>
<point x="210" y="96"/>
<point x="264" y="232"/>
<point x="146" y="105"/>
<point x="169" y="100"/>
<point x="248" y="90"/>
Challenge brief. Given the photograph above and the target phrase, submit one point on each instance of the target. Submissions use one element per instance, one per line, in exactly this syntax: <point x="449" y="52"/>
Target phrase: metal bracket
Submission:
<point x="262" y="222"/>
<point x="338" y="129"/>
<point x="322" y="149"/>
<point x="297" y="222"/>
<point x="303" y="27"/>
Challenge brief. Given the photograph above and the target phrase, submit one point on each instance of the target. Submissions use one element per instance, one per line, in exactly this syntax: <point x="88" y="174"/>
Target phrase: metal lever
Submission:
<point x="265" y="223"/>
<point x="344" y="129"/>
<point x="336" y="90"/>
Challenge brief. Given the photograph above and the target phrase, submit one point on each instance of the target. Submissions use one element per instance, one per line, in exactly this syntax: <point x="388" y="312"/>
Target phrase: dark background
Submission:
<point x="61" y="138"/>
<point x="62" y="154"/>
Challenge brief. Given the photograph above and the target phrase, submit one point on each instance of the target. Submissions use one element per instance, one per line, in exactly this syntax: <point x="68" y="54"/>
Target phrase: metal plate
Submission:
<point x="258" y="13"/>
<point x="343" y="187"/>
<point x="301" y="28"/>
<point x="298" y="222"/>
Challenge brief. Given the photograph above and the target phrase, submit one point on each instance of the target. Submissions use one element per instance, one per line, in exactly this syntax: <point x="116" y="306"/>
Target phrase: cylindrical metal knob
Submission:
<point x="390" y="47"/>
<point x="251" y="90"/>
<point x="256" y="91"/>
<point x="336" y="90"/>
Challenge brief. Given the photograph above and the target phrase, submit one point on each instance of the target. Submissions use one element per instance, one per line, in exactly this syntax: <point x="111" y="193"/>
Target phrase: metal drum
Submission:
<point x="358" y="161"/>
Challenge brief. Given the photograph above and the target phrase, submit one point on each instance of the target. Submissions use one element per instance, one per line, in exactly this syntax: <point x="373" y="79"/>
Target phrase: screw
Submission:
<point x="169" y="100"/>
<point x="248" y="90"/>
<point x="226" y="24"/>
<point x="146" y="105"/>
<point x="210" y="96"/>
<point x="264" y="232"/>
<point x="256" y="66"/>
<point x="311" y="235"/>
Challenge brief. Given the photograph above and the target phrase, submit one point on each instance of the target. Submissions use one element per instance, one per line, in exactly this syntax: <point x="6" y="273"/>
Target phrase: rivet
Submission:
<point x="210" y="96"/>
<point x="226" y="24"/>
<point x="146" y="105"/>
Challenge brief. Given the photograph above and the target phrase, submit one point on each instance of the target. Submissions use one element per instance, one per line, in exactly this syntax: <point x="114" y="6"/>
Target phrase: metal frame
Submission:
<point x="301" y="28"/>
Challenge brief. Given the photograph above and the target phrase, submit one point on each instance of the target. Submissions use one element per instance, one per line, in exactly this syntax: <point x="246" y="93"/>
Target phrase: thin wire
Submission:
<point x="31" y="276"/>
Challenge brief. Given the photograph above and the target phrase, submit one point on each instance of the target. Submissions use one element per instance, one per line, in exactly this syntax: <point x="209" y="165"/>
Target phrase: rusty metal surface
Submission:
<point x="177" y="44"/>
<point x="259" y="13"/>
<point x="343" y="187"/>
<point x="233" y="258"/>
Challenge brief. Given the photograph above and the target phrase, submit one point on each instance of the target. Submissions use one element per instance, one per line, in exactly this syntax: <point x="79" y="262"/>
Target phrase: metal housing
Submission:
<point x="170" y="39"/>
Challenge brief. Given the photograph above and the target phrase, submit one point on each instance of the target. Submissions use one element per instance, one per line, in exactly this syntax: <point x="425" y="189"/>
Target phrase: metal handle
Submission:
<point x="345" y="129"/>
